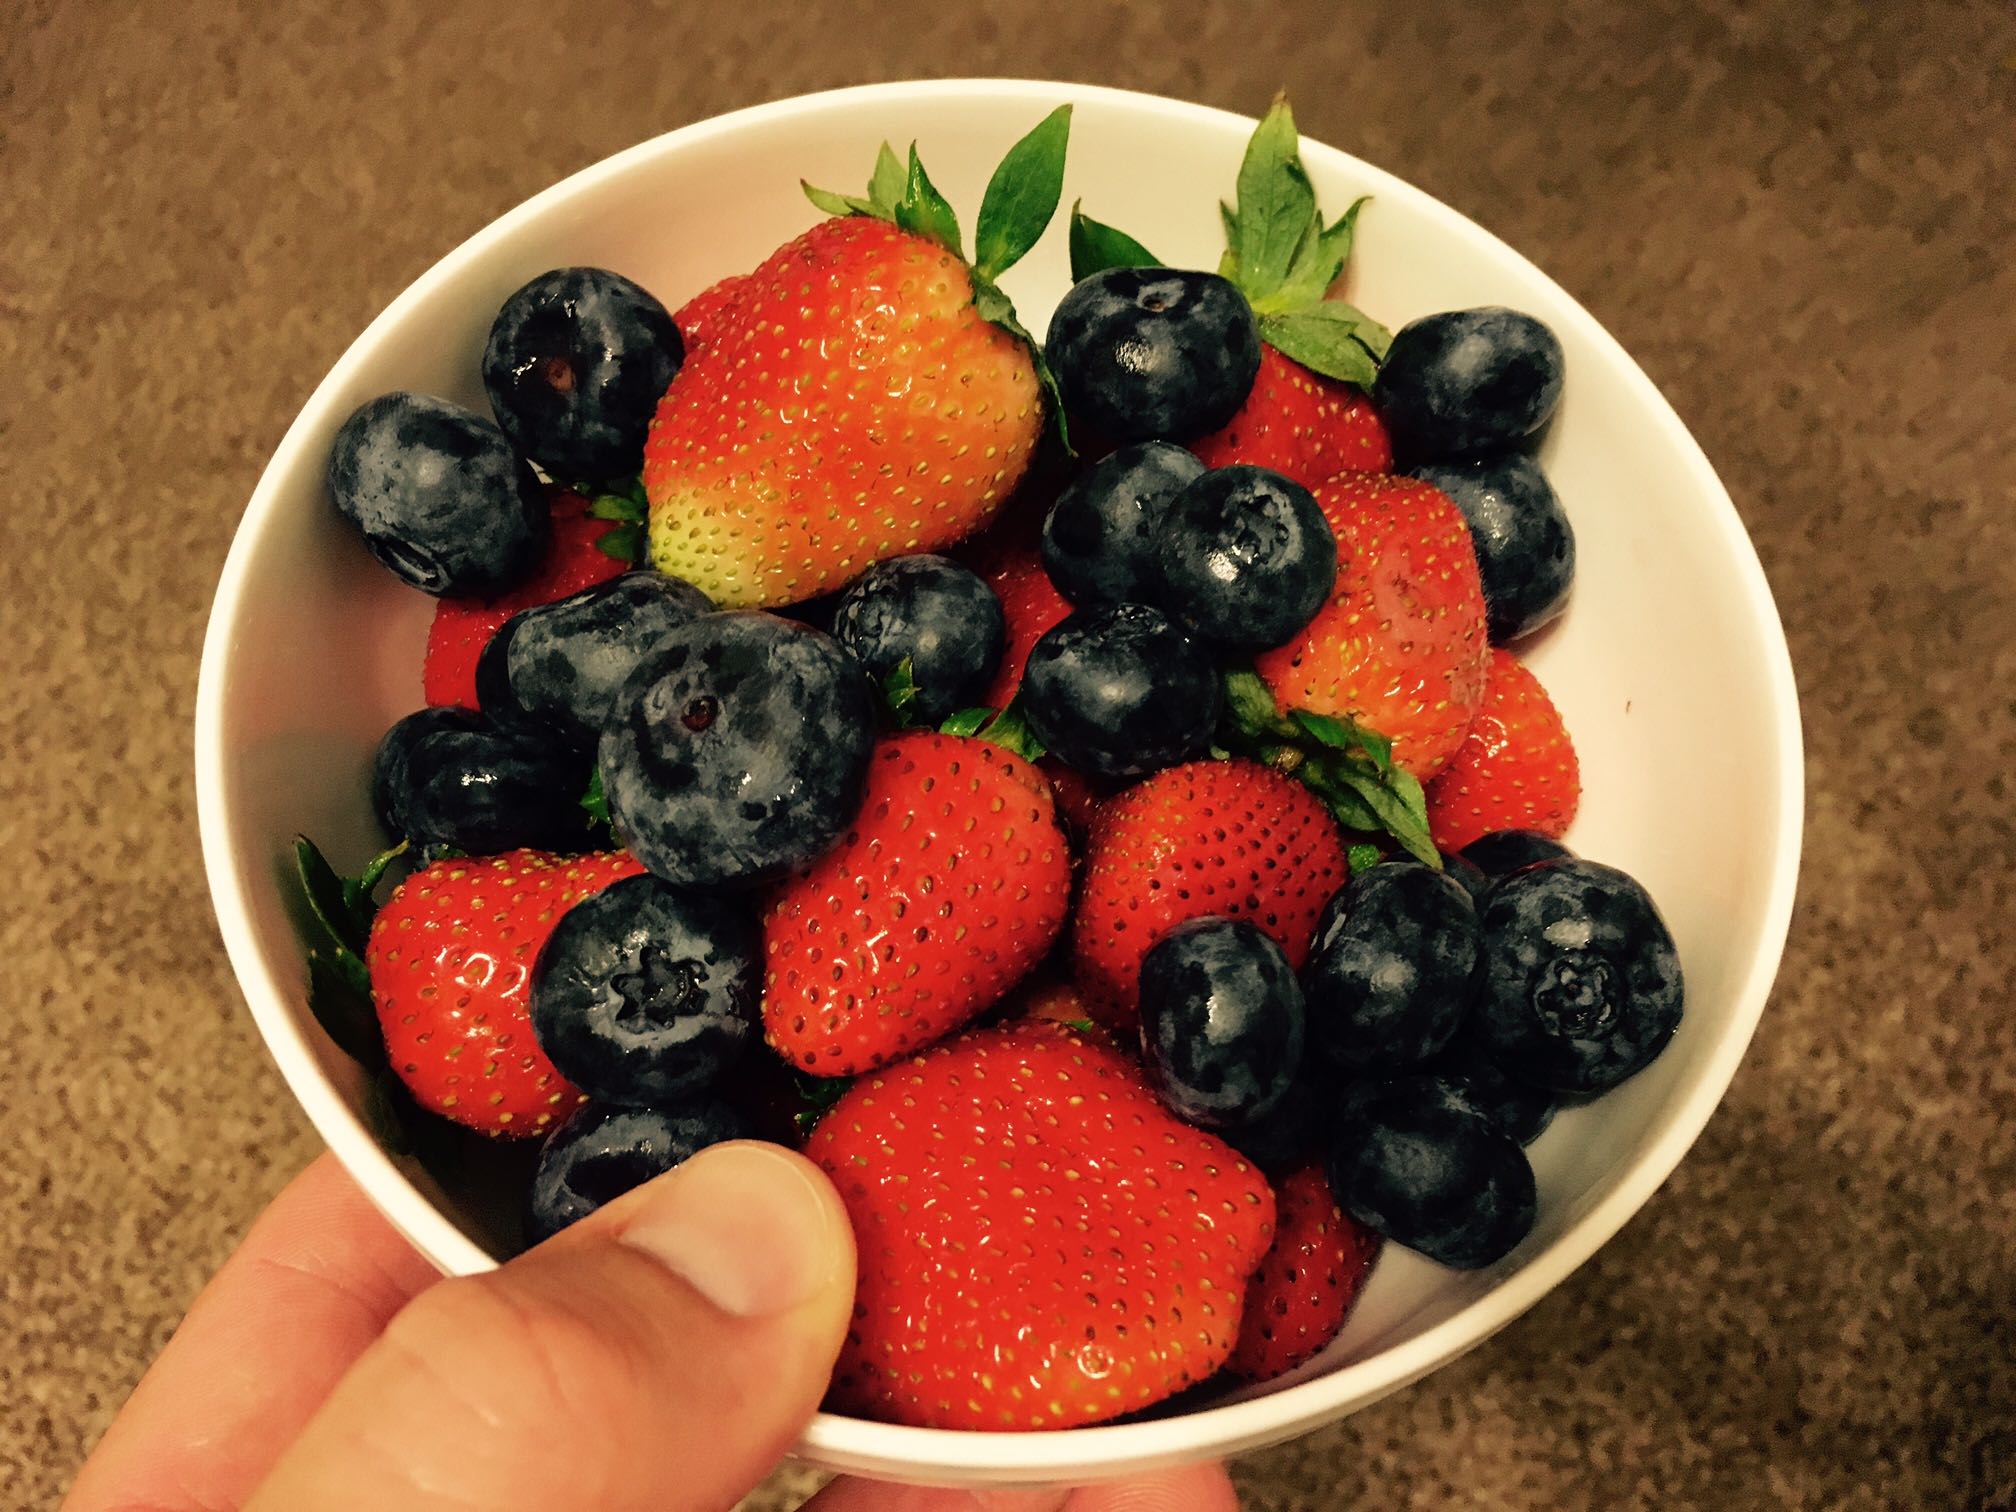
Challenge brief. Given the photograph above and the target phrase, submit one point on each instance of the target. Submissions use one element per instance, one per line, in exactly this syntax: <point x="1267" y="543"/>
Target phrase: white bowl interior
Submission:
<point x="1670" y="668"/>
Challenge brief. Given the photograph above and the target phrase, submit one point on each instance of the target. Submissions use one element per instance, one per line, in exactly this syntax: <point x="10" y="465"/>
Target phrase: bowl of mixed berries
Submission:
<point x="1174" y="714"/>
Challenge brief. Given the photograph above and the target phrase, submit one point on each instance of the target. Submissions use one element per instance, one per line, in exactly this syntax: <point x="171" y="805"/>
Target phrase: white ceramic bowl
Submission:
<point x="1670" y="668"/>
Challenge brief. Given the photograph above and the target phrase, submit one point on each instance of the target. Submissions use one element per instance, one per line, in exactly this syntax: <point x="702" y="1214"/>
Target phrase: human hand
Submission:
<point x="662" y="1354"/>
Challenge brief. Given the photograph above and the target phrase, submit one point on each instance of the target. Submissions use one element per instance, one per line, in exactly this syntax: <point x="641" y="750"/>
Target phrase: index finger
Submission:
<point x="315" y="1281"/>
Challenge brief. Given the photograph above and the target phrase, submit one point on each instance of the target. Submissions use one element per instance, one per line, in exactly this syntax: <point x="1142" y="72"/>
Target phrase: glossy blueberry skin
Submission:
<point x="1469" y="874"/>
<point x="645" y="994"/>
<point x="1221" y="1022"/>
<point x="1392" y="969"/>
<point x="1120" y="691"/>
<point x="1296" y="1128"/>
<point x="1244" y="558"/>
<point x="1412" y="1161"/>
<point x="560" y="666"/>
<point x="392" y="763"/>
<point x="576" y="363"/>
<point x="465" y="784"/>
<point x="1524" y="543"/>
<point x="939" y="615"/>
<point x="600" y="1152"/>
<point x="1099" y="537"/>
<point x="1503" y="852"/>
<point x="738" y="751"/>
<point x="1467" y="381"/>
<point x="1147" y="354"/>
<point x="445" y="504"/>
<point x="1520" y="1111"/>
<point x="1582" y="985"/>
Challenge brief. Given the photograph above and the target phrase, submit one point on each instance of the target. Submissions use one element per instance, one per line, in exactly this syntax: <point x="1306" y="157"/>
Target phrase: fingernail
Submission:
<point x="751" y="1227"/>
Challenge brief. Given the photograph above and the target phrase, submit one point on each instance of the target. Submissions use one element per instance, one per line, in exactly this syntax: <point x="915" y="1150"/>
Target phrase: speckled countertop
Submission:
<point x="1798" y="217"/>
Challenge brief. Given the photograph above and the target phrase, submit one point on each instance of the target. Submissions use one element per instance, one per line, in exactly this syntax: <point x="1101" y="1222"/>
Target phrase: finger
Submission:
<point x="1194" y="1488"/>
<point x="315" y="1281"/>
<point x="662" y="1353"/>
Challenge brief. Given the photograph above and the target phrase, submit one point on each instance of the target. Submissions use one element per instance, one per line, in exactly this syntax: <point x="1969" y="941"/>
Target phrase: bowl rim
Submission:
<point x="891" y="1450"/>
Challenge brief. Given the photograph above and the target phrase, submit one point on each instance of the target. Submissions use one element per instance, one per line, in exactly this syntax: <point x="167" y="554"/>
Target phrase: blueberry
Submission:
<point x="1221" y="1021"/>
<point x="738" y="751"/>
<point x="1522" y="1112"/>
<point x="939" y="616"/>
<point x="1582" y="983"/>
<point x="1244" y="557"/>
<point x="1153" y="353"/>
<point x="1469" y="874"/>
<point x="1525" y="546"/>
<point x="600" y="1152"/>
<point x="449" y="778"/>
<point x="1467" y="381"/>
<point x="1120" y="691"/>
<point x="575" y="366"/>
<point x="559" y="666"/>
<point x="1411" y="1160"/>
<point x="1503" y="852"/>
<point x="1099" y="537"/>
<point x="443" y="501"/>
<point x="1294" y="1129"/>
<point x="1392" y="969"/>
<point x="391" y="765"/>
<point x="644" y="995"/>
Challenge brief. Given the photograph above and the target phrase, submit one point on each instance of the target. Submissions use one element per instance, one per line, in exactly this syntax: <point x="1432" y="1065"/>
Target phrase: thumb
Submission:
<point x="661" y="1353"/>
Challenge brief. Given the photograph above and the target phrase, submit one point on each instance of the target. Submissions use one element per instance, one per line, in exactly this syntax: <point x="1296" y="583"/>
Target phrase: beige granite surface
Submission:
<point x="1797" y="214"/>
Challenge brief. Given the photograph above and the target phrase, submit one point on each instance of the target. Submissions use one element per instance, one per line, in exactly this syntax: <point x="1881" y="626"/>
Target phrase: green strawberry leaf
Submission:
<point x="1078" y="1025"/>
<point x="1095" y="247"/>
<point x="965" y="722"/>
<point x="1318" y="262"/>
<point x="1011" y="732"/>
<point x="886" y="184"/>
<point x="384" y="1100"/>
<point x="1346" y="735"/>
<point x="336" y="927"/>
<point x="841" y="204"/>
<point x="1249" y="703"/>
<point x="623" y="542"/>
<point x="1395" y="815"/>
<point x="1022" y="196"/>
<point x="624" y="507"/>
<point x="899" y="694"/>
<point x="595" y="801"/>
<point x="1276" y="209"/>
<point x="923" y="211"/>
<point x="818" y="1093"/>
<point x="1329" y="337"/>
<point x="1363" y="857"/>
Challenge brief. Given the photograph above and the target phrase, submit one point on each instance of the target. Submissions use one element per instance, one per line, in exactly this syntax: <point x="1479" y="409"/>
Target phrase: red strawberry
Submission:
<point x="1516" y="769"/>
<point x="1041" y="1244"/>
<point x="1078" y="799"/>
<point x="1301" y="424"/>
<point x="1401" y="647"/>
<point x="952" y="883"/>
<point x="450" y="957"/>
<point x="1302" y="1292"/>
<point x="463" y="627"/>
<point x="701" y="316"/>
<point x="1030" y="604"/>
<point x="850" y="405"/>
<point x="1208" y="837"/>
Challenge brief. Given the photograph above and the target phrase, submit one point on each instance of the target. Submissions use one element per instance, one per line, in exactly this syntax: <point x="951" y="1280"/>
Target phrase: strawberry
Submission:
<point x="450" y="957"/>
<point x="951" y="884"/>
<point x="1302" y="1292"/>
<point x="701" y="316"/>
<point x="865" y="393"/>
<point x="463" y="627"/>
<point x="1209" y="837"/>
<point x="1301" y="424"/>
<point x="1030" y="605"/>
<point x="1040" y="1242"/>
<point x="1516" y="769"/>
<point x="1078" y="798"/>
<point x="1401" y="647"/>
